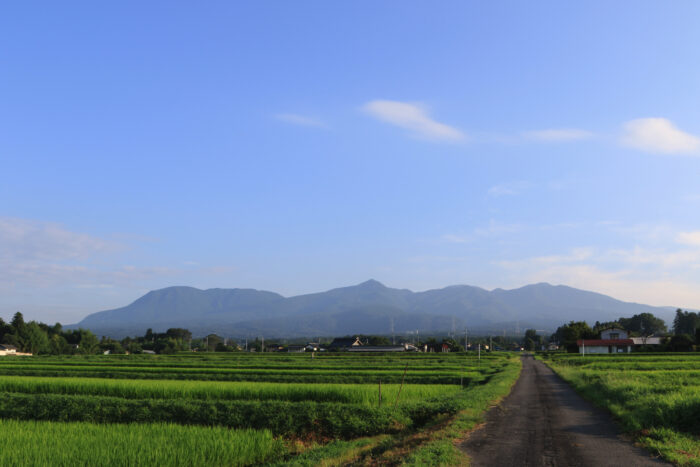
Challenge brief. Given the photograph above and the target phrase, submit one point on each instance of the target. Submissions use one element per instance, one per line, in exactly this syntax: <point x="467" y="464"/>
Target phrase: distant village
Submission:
<point x="640" y="333"/>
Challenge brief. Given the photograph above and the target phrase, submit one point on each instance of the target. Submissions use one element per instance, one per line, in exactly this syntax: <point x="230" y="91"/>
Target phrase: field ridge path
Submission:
<point x="543" y="422"/>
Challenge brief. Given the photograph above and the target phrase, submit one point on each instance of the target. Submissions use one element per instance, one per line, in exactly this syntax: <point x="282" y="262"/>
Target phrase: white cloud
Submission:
<point x="38" y="254"/>
<point x="452" y="238"/>
<point x="413" y="118"/>
<point x="656" y="276"/>
<point x="557" y="134"/>
<point x="658" y="135"/>
<point x="301" y="120"/>
<point x="689" y="238"/>
<point x="509" y="189"/>
<point x="33" y="240"/>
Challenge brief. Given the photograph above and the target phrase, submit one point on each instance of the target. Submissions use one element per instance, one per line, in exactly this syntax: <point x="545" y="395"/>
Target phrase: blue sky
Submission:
<point x="300" y="146"/>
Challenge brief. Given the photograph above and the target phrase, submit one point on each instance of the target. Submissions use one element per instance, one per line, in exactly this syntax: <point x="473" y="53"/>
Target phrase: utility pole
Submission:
<point x="262" y="346"/>
<point x="466" y="340"/>
<point x="490" y="344"/>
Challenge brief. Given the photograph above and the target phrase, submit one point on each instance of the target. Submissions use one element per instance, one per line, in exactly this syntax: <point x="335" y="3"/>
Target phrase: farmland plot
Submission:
<point x="656" y="397"/>
<point x="268" y="408"/>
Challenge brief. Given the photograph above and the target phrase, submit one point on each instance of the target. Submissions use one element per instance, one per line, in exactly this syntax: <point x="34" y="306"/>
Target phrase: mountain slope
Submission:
<point x="369" y="307"/>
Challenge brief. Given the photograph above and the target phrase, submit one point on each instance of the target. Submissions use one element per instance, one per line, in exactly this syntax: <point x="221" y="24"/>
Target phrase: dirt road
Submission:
<point x="543" y="422"/>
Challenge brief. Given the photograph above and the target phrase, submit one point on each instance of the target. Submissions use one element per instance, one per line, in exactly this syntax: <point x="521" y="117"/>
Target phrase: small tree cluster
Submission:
<point x="39" y="338"/>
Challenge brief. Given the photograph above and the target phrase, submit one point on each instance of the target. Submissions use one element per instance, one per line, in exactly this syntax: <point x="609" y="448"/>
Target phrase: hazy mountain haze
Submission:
<point x="369" y="307"/>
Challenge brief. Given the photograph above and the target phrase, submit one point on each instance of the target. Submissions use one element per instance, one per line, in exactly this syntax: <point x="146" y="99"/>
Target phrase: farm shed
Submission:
<point x="647" y="340"/>
<point x="296" y="348"/>
<point x="7" y="349"/>
<point x="605" y="345"/>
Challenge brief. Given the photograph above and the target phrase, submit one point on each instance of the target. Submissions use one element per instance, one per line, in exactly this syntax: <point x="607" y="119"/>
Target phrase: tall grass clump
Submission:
<point x="86" y="444"/>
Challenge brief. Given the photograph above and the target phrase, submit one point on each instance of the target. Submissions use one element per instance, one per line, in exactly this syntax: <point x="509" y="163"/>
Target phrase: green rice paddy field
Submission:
<point x="245" y="409"/>
<point x="656" y="397"/>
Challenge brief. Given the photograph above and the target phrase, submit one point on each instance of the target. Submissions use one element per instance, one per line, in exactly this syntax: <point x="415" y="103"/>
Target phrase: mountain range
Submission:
<point x="366" y="308"/>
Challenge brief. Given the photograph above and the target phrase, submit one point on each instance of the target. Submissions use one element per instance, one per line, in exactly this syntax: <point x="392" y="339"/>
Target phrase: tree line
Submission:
<point x="40" y="338"/>
<point x="684" y="334"/>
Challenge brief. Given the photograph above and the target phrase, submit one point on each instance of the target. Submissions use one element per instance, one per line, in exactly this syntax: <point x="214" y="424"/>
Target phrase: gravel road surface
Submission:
<point x="543" y="422"/>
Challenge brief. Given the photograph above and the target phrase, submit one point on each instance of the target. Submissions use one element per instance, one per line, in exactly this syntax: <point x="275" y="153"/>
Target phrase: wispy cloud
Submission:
<point x="509" y="189"/>
<point x="34" y="240"/>
<point x="301" y="120"/>
<point x="689" y="238"/>
<point x="552" y="135"/>
<point x="452" y="238"/>
<point x="655" y="273"/>
<point x="658" y="135"/>
<point x="414" y="118"/>
<point x="45" y="254"/>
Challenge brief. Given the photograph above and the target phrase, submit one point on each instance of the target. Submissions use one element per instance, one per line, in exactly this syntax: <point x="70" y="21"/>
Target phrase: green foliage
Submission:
<point x="644" y="324"/>
<point x="686" y="322"/>
<point x="310" y="404"/>
<point x="568" y="334"/>
<point x="655" y="396"/>
<point x="48" y="443"/>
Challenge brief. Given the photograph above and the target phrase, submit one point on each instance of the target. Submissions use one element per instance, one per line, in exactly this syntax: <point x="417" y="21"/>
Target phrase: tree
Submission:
<point x="211" y="340"/>
<point x="5" y="329"/>
<point x="111" y="345"/>
<point x="17" y="322"/>
<point x="453" y="345"/>
<point x="179" y="333"/>
<point x="532" y="340"/>
<point x="58" y="345"/>
<point x="598" y="327"/>
<point x="685" y="322"/>
<point x="681" y="343"/>
<point x="89" y="345"/>
<point x="644" y="324"/>
<point x="36" y="340"/>
<point x="568" y="334"/>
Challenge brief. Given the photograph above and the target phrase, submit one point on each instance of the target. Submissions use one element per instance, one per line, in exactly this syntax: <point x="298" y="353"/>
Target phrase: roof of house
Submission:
<point x="603" y="342"/>
<point x="345" y="341"/>
<point x="378" y="348"/>
<point x="7" y="347"/>
<point x="646" y="340"/>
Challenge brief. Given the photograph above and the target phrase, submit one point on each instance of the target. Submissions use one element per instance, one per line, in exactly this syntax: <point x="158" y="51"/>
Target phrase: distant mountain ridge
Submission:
<point x="369" y="308"/>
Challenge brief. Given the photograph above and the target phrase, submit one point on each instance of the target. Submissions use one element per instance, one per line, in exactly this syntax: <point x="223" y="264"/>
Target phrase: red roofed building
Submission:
<point x="611" y="341"/>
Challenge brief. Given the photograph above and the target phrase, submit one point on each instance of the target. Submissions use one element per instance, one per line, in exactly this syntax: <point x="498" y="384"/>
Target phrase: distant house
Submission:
<point x="313" y="347"/>
<point x="7" y="349"/>
<point x="383" y="348"/>
<point x="344" y="343"/>
<point x="614" y="333"/>
<point x="615" y="340"/>
<point x="437" y="347"/>
<point x="296" y="348"/>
